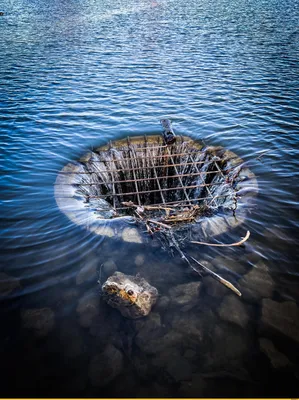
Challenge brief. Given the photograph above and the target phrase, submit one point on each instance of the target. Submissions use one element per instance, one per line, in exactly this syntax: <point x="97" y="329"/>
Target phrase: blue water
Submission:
<point x="76" y="74"/>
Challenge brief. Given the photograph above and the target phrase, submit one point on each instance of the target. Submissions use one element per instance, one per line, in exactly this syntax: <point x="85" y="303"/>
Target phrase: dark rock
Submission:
<point x="214" y="288"/>
<point x="162" y="303"/>
<point x="277" y="359"/>
<point x="232" y="309"/>
<point x="88" y="308"/>
<point x="231" y="265"/>
<point x="185" y="296"/>
<point x="70" y="295"/>
<point x="106" y="366"/>
<point x="189" y="325"/>
<point x="149" y="330"/>
<point x="256" y="284"/>
<point x="162" y="358"/>
<point x="71" y="340"/>
<point x="38" y="320"/>
<point x="193" y="389"/>
<point x="169" y="341"/>
<point x="228" y="347"/>
<point x="190" y="354"/>
<point x="282" y="317"/>
<point x="179" y="369"/>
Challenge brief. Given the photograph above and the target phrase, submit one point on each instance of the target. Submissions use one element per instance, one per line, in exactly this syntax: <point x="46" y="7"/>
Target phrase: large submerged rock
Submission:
<point x="38" y="320"/>
<point x="106" y="366"/>
<point x="133" y="296"/>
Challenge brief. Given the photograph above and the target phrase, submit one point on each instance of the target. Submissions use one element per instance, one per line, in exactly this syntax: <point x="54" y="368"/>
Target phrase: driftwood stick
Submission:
<point x="213" y="274"/>
<point x="218" y="278"/>
<point x="159" y="224"/>
<point x="131" y="204"/>
<point x="223" y="244"/>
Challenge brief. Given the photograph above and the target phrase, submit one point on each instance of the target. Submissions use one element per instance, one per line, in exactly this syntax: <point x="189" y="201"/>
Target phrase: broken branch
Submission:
<point x="218" y="278"/>
<point x="223" y="244"/>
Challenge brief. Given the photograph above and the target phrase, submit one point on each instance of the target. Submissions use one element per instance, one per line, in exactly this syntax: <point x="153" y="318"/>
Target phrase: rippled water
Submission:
<point x="76" y="74"/>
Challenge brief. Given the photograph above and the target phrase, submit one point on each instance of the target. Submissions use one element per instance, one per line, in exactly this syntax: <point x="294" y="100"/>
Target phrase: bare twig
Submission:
<point x="159" y="223"/>
<point x="223" y="244"/>
<point x="218" y="278"/>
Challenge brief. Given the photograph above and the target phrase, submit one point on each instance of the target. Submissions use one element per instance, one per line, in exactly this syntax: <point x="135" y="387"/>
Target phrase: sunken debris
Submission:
<point x="171" y="184"/>
<point x="165" y="183"/>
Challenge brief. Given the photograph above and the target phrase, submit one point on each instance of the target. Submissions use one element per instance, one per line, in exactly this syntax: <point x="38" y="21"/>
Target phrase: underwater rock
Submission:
<point x="106" y="366"/>
<point x="39" y="320"/>
<point x="88" y="309"/>
<point x="71" y="340"/>
<point x="278" y="360"/>
<point x="179" y="369"/>
<point x="167" y="343"/>
<point x="233" y="310"/>
<point x="109" y="267"/>
<point x="87" y="273"/>
<point x="214" y="288"/>
<point x="162" y="358"/>
<point x="148" y="329"/>
<point x="8" y="284"/>
<point x="282" y="317"/>
<point x="228" y="347"/>
<point x="262" y="266"/>
<point x="185" y="296"/>
<point x="131" y="235"/>
<point x="70" y="295"/>
<point x="193" y="389"/>
<point x="189" y="325"/>
<point x="256" y="284"/>
<point x="139" y="260"/>
<point x="189" y="354"/>
<point x="162" y="303"/>
<point x="133" y="296"/>
<point x="232" y="265"/>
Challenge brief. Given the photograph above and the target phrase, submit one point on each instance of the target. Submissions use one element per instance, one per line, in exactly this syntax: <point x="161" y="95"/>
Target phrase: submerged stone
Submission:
<point x="106" y="366"/>
<point x="167" y="343"/>
<point x="256" y="284"/>
<point x="109" y="267"/>
<point x="185" y="295"/>
<point x="133" y="296"/>
<point x="39" y="320"/>
<point x="179" y="369"/>
<point x="131" y="235"/>
<point x="139" y="260"/>
<point x="88" y="309"/>
<point x="87" y="273"/>
<point x="278" y="360"/>
<point x="282" y="317"/>
<point x="233" y="310"/>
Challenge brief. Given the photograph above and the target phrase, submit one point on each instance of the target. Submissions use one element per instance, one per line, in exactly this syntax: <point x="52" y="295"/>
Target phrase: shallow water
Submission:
<point x="76" y="74"/>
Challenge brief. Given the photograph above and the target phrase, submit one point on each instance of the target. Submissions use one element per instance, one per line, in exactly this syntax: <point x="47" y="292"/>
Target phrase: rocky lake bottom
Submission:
<point x="200" y="339"/>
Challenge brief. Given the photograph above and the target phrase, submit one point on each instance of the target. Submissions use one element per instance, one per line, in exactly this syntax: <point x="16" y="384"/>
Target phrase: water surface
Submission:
<point x="76" y="74"/>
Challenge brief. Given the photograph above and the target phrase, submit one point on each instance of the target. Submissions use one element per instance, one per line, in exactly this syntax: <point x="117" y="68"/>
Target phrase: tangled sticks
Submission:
<point x="162" y="226"/>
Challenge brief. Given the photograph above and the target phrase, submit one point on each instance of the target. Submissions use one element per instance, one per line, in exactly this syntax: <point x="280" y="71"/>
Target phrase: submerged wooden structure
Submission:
<point x="176" y="183"/>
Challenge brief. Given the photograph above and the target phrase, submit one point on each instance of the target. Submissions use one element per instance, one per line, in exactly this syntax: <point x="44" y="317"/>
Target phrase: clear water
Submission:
<point x="75" y="74"/>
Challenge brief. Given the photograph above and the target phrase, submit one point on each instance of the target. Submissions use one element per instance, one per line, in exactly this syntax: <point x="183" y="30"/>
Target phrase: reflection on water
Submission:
<point x="77" y="74"/>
